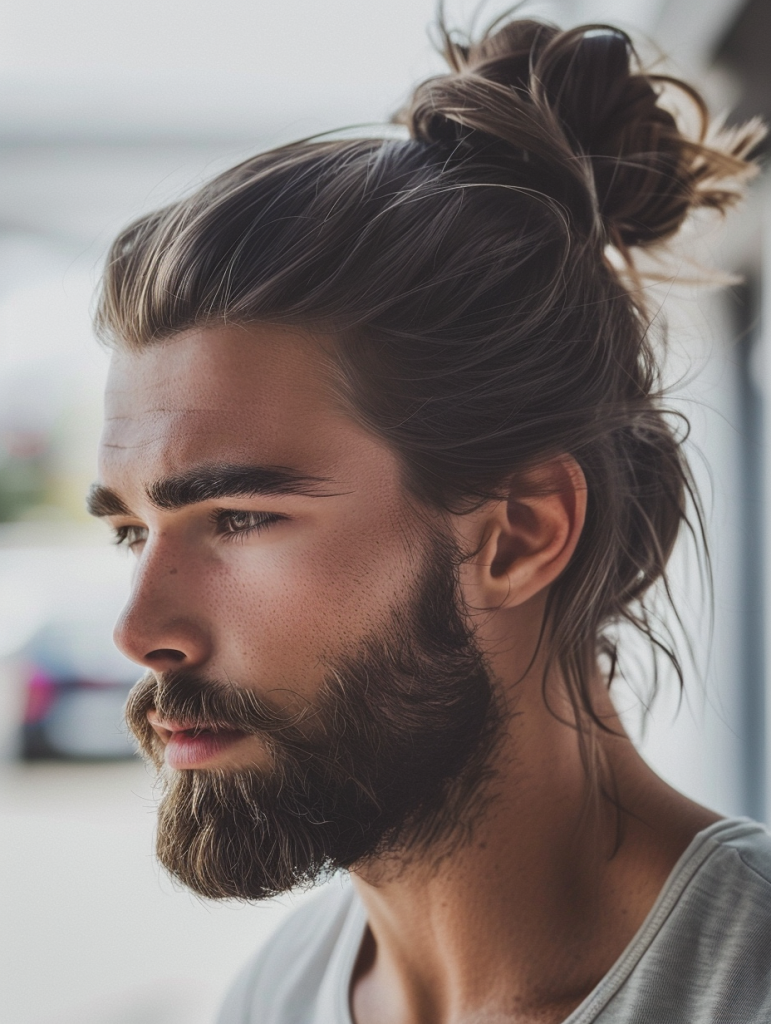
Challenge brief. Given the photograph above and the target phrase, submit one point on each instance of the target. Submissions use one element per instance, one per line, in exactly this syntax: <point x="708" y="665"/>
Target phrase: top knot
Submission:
<point x="577" y="114"/>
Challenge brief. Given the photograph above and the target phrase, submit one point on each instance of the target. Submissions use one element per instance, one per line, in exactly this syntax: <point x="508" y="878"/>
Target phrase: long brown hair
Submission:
<point x="467" y="275"/>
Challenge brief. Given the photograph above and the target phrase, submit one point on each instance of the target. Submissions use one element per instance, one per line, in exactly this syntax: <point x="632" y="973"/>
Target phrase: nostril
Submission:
<point x="165" y="654"/>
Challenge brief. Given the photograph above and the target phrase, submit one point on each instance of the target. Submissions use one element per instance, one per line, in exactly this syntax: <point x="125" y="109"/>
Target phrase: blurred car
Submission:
<point x="75" y="688"/>
<point x="63" y="683"/>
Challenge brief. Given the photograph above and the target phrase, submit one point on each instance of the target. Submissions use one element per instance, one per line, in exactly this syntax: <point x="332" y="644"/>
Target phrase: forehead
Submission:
<point x="226" y="394"/>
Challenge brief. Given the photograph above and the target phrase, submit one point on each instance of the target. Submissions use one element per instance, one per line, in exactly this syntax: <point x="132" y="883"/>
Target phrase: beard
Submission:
<point x="391" y="759"/>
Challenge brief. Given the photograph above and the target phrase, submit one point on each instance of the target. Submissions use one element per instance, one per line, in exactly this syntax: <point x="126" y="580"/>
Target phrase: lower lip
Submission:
<point x="188" y="750"/>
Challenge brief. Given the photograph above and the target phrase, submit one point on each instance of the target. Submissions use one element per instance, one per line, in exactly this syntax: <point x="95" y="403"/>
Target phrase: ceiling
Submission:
<point x="108" y="109"/>
<point x="128" y="69"/>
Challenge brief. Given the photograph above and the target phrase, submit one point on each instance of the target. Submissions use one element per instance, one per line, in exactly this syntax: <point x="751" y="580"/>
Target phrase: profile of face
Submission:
<point x="314" y="696"/>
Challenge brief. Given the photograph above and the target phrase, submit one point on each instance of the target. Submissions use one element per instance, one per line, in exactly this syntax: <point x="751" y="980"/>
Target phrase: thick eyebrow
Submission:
<point x="102" y="501"/>
<point x="204" y="483"/>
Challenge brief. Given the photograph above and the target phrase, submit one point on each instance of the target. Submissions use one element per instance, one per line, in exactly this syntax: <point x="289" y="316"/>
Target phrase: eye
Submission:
<point x="130" y="536"/>
<point x="236" y="524"/>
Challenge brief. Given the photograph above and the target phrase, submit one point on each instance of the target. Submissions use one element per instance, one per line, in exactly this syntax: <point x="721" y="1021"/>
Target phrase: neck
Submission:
<point x="524" y="918"/>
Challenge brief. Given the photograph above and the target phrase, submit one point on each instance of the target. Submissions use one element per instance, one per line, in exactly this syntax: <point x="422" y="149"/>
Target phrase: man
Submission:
<point x="391" y="466"/>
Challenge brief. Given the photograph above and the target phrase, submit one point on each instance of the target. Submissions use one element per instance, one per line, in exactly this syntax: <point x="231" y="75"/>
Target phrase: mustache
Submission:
<point x="202" y="703"/>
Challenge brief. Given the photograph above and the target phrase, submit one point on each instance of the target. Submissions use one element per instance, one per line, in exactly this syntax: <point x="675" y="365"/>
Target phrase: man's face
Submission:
<point x="314" y="693"/>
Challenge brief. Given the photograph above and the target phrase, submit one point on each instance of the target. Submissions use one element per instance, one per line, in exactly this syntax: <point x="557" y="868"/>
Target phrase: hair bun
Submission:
<point x="577" y="106"/>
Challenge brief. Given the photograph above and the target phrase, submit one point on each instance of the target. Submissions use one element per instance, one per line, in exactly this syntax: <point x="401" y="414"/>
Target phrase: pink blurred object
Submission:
<point x="41" y="693"/>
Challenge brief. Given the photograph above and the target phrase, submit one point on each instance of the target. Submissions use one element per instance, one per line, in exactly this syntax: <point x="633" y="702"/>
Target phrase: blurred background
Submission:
<point x="106" y="111"/>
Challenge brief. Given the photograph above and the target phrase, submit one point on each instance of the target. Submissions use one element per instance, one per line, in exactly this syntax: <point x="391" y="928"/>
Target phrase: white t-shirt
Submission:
<point x="702" y="955"/>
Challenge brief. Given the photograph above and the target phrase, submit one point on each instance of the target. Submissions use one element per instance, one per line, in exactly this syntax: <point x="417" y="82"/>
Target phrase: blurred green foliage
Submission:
<point x="23" y="484"/>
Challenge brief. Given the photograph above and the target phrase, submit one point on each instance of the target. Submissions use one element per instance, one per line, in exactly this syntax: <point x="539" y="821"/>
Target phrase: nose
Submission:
<point x="160" y="627"/>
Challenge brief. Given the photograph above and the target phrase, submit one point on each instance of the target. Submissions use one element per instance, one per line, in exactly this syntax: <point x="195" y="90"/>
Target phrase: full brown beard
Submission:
<point x="392" y="758"/>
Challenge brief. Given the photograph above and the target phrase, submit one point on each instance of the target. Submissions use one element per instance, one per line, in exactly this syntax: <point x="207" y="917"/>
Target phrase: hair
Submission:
<point x="468" y="274"/>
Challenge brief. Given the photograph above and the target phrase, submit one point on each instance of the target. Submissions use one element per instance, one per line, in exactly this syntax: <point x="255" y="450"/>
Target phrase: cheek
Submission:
<point x="287" y="605"/>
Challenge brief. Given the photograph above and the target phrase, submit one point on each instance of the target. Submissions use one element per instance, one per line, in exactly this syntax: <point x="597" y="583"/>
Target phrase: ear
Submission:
<point x="524" y="542"/>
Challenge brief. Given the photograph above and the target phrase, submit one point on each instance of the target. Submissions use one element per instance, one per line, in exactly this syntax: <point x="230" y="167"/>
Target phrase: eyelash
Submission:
<point x="256" y="522"/>
<point x="127" y="535"/>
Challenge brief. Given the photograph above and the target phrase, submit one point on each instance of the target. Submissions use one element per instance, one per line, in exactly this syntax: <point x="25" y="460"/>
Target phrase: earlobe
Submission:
<point x="530" y="537"/>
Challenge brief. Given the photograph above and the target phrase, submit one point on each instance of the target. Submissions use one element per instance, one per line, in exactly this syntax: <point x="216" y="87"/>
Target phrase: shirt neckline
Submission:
<point x="690" y="861"/>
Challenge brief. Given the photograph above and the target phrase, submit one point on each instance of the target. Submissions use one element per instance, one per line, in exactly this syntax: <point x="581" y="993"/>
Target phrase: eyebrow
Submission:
<point x="205" y="483"/>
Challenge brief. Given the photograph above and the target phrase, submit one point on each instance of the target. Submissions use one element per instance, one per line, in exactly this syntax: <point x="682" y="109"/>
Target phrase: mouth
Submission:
<point x="192" y="746"/>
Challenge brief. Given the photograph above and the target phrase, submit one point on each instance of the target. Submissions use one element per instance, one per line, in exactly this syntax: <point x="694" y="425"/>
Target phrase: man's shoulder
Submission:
<point x="752" y="846"/>
<point x="733" y="888"/>
<point x="721" y="911"/>
<point x="282" y="981"/>
<point x="705" y="953"/>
